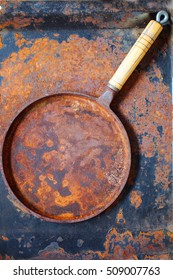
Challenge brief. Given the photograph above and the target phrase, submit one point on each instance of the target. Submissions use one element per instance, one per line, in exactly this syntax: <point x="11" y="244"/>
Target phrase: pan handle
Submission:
<point x="137" y="52"/>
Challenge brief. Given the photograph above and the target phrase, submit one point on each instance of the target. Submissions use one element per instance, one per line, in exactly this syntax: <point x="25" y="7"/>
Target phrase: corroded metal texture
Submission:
<point x="92" y="13"/>
<point x="66" y="157"/>
<point x="119" y="246"/>
<point x="38" y="60"/>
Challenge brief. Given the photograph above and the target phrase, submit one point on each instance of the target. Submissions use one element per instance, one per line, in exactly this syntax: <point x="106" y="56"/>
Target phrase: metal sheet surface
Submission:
<point x="59" y="46"/>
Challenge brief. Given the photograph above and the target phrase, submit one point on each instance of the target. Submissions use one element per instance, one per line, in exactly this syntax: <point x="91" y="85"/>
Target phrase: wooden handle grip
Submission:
<point x="135" y="55"/>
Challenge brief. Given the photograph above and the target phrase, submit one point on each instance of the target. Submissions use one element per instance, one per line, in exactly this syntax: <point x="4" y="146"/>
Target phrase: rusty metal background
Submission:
<point x="57" y="46"/>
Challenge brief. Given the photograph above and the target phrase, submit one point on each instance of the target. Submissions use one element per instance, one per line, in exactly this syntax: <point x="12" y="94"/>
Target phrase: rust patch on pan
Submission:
<point x="66" y="157"/>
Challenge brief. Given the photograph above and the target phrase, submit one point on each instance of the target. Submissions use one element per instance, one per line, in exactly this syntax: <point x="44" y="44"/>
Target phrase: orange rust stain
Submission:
<point x="65" y="183"/>
<point x="49" y="143"/>
<point x="170" y="234"/>
<point x="120" y="246"/>
<point x="67" y="215"/>
<point x="51" y="178"/>
<point x="121" y="254"/>
<point x="1" y="44"/>
<point x="160" y="201"/>
<point x="92" y="20"/>
<point x="62" y="148"/>
<point x="143" y="239"/>
<point x="158" y="257"/>
<point x="136" y="198"/>
<point x="47" y="196"/>
<point x="33" y="139"/>
<point x="158" y="235"/>
<point x="19" y="21"/>
<point x="20" y="41"/>
<point x="4" y="238"/>
<point x="162" y="172"/>
<point x="8" y="257"/>
<point x="64" y="201"/>
<point x="3" y="2"/>
<point x="111" y="247"/>
<point x="120" y="219"/>
<point x="146" y="241"/>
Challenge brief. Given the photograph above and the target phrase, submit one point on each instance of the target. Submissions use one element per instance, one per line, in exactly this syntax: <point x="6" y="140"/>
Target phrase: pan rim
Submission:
<point x="21" y="205"/>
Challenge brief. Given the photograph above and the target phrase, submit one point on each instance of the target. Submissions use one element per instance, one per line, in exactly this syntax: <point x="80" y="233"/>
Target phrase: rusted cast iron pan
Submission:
<point x="66" y="157"/>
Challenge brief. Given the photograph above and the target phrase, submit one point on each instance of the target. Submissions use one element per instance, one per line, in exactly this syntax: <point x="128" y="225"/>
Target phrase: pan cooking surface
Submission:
<point x="66" y="157"/>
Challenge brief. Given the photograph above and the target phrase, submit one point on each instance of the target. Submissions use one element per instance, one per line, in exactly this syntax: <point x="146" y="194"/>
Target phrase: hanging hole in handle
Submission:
<point x="162" y="17"/>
